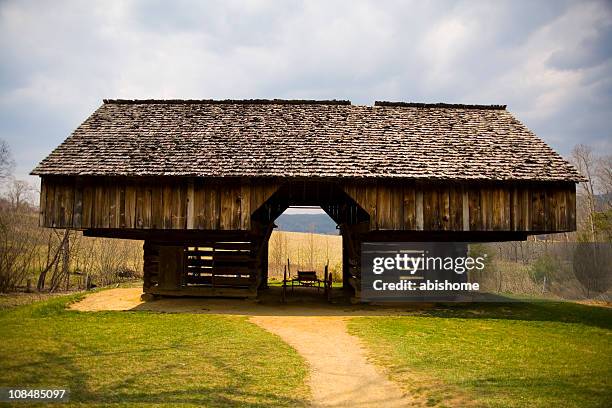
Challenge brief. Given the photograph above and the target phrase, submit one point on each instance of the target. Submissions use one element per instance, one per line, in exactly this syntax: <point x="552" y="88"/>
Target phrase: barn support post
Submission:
<point x="149" y="268"/>
<point x="345" y="265"/>
<point x="263" y="264"/>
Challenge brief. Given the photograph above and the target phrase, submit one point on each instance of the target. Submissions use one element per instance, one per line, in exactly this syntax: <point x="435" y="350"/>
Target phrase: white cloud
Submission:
<point x="549" y="61"/>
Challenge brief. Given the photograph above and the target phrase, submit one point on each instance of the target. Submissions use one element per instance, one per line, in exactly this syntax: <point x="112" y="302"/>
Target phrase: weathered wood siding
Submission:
<point x="99" y="203"/>
<point x="455" y="207"/>
<point x="187" y="204"/>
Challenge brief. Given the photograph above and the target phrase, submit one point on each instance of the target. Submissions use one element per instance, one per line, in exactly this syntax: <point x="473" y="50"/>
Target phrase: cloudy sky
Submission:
<point x="549" y="61"/>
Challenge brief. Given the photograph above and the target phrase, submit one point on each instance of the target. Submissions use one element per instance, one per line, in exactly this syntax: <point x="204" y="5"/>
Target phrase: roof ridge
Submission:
<point x="438" y="105"/>
<point x="227" y="101"/>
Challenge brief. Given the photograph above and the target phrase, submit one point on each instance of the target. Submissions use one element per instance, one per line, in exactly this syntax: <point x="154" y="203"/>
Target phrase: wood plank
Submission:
<point x="199" y="197"/>
<point x="234" y="245"/>
<point x="465" y="204"/>
<point x="562" y="215"/>
<point x="121" y="193"/>
<point x="111" y="203"/>
<point x="486" y="206"/>
<point x="208" y="291"/>
<point x="42" y="203"/>
<point x="409" y="211"/>
<point x="514" y="209"/>
<point x="225" y="216"/>
<point x="371" y="196"/>
<point x="420" y="221"/>
<point x="383" y="208"/>
<point x="213" y="207"/>
<point x="538" y="210"/>
<point x="88" y="196"/>
<point x="245" y="206"/>
<point x="525" y="205"/>
<point x="475" y="209"/>
<point x="444" y="221"/>
<point x="431" y="210"/>
<point x="107" y="202"/>
<point x="177" y="213"/>
<point x="191" y="216"/>
<point x="69" y="204"/>
<point x="98" y="206"/>
<point x="130" y="206"/>
<point x="139" y="208"/>
<point x="506" y="199"/>
<point x="551" y="210"/>
<point x="50" y="205"/>
<point x="500" y="209"/>
<point x="166" y="203"/>
<point x="77" y="214"/>
<point x="455" y="208"/>
<point x="58" y="209"/>
<point x="152" y="207"/>
<point x="230" y="281"/>
<point x="229" y="217"/>
<point x="236" y="204"/>
<point x="397" y="207"/>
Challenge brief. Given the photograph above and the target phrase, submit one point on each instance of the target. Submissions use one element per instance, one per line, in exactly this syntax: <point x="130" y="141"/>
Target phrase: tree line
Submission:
<point x="50" y="260"/>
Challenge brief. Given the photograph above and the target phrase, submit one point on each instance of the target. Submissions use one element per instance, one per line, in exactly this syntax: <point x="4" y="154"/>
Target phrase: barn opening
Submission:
<point x="306" y="239"/>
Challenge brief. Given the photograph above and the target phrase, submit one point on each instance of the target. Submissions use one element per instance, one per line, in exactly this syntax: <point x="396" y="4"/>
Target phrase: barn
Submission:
<point x="202" y="181"/>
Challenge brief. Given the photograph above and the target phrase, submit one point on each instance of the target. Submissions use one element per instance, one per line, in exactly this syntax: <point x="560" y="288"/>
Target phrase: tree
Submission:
<point x="583" y="159"/>
<point x="603" y="172"/>
<point x="19" y="193"/>
<point x="6" y="161"/>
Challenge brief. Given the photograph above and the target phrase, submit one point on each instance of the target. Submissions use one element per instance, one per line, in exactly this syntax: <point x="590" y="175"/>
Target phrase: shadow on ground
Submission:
<point x="309" y="302"/>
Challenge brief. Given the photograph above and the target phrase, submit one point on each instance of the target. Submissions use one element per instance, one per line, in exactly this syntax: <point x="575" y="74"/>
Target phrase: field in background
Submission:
<point x="306" y="251"/>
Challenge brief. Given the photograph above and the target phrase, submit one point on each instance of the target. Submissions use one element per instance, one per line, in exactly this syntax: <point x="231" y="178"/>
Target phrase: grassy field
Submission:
<point x="517" y="355"/>
<point x="127" y="359"/>
<point x="512" y="355"/>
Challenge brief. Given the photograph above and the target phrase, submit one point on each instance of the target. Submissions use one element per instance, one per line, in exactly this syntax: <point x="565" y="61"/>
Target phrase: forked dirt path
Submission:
<point x="340" y="373"/>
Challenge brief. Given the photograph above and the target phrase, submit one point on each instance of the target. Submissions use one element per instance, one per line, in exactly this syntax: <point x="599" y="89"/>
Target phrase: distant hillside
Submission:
<point x="317" y="223"/>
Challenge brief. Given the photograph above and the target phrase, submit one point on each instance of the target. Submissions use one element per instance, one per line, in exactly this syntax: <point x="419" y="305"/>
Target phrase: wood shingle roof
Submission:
<point x="278" y="138"/>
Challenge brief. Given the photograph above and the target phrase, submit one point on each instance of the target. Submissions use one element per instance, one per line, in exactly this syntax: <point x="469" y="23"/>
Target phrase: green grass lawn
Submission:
<point x="513" y="355"/>
<point x="141" y="358"/>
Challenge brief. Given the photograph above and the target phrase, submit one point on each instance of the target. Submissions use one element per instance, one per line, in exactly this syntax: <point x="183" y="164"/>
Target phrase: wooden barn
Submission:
<point x="202" y="181"/>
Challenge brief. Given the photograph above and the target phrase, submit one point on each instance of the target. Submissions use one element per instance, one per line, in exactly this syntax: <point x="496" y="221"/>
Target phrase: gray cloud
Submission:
<point x="548" y="60"/>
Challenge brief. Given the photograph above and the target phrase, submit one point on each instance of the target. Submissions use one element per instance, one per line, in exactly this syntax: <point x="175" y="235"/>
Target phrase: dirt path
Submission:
<point x="340" y="374"/>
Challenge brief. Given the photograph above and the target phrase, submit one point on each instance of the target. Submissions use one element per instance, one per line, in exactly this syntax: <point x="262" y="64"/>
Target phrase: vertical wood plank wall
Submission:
<point x="99" y="203"/>
<point x="456" y="207"/>
<point x="132" y="204"/>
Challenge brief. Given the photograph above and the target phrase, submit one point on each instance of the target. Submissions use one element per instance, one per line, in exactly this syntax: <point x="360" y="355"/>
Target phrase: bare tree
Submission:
<point x="6" y="161"/>
<point x="583" y="159"/>
<point x="603" y="173"/>
<point x="19" y="193"/>
<point x="54" y="250"/>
